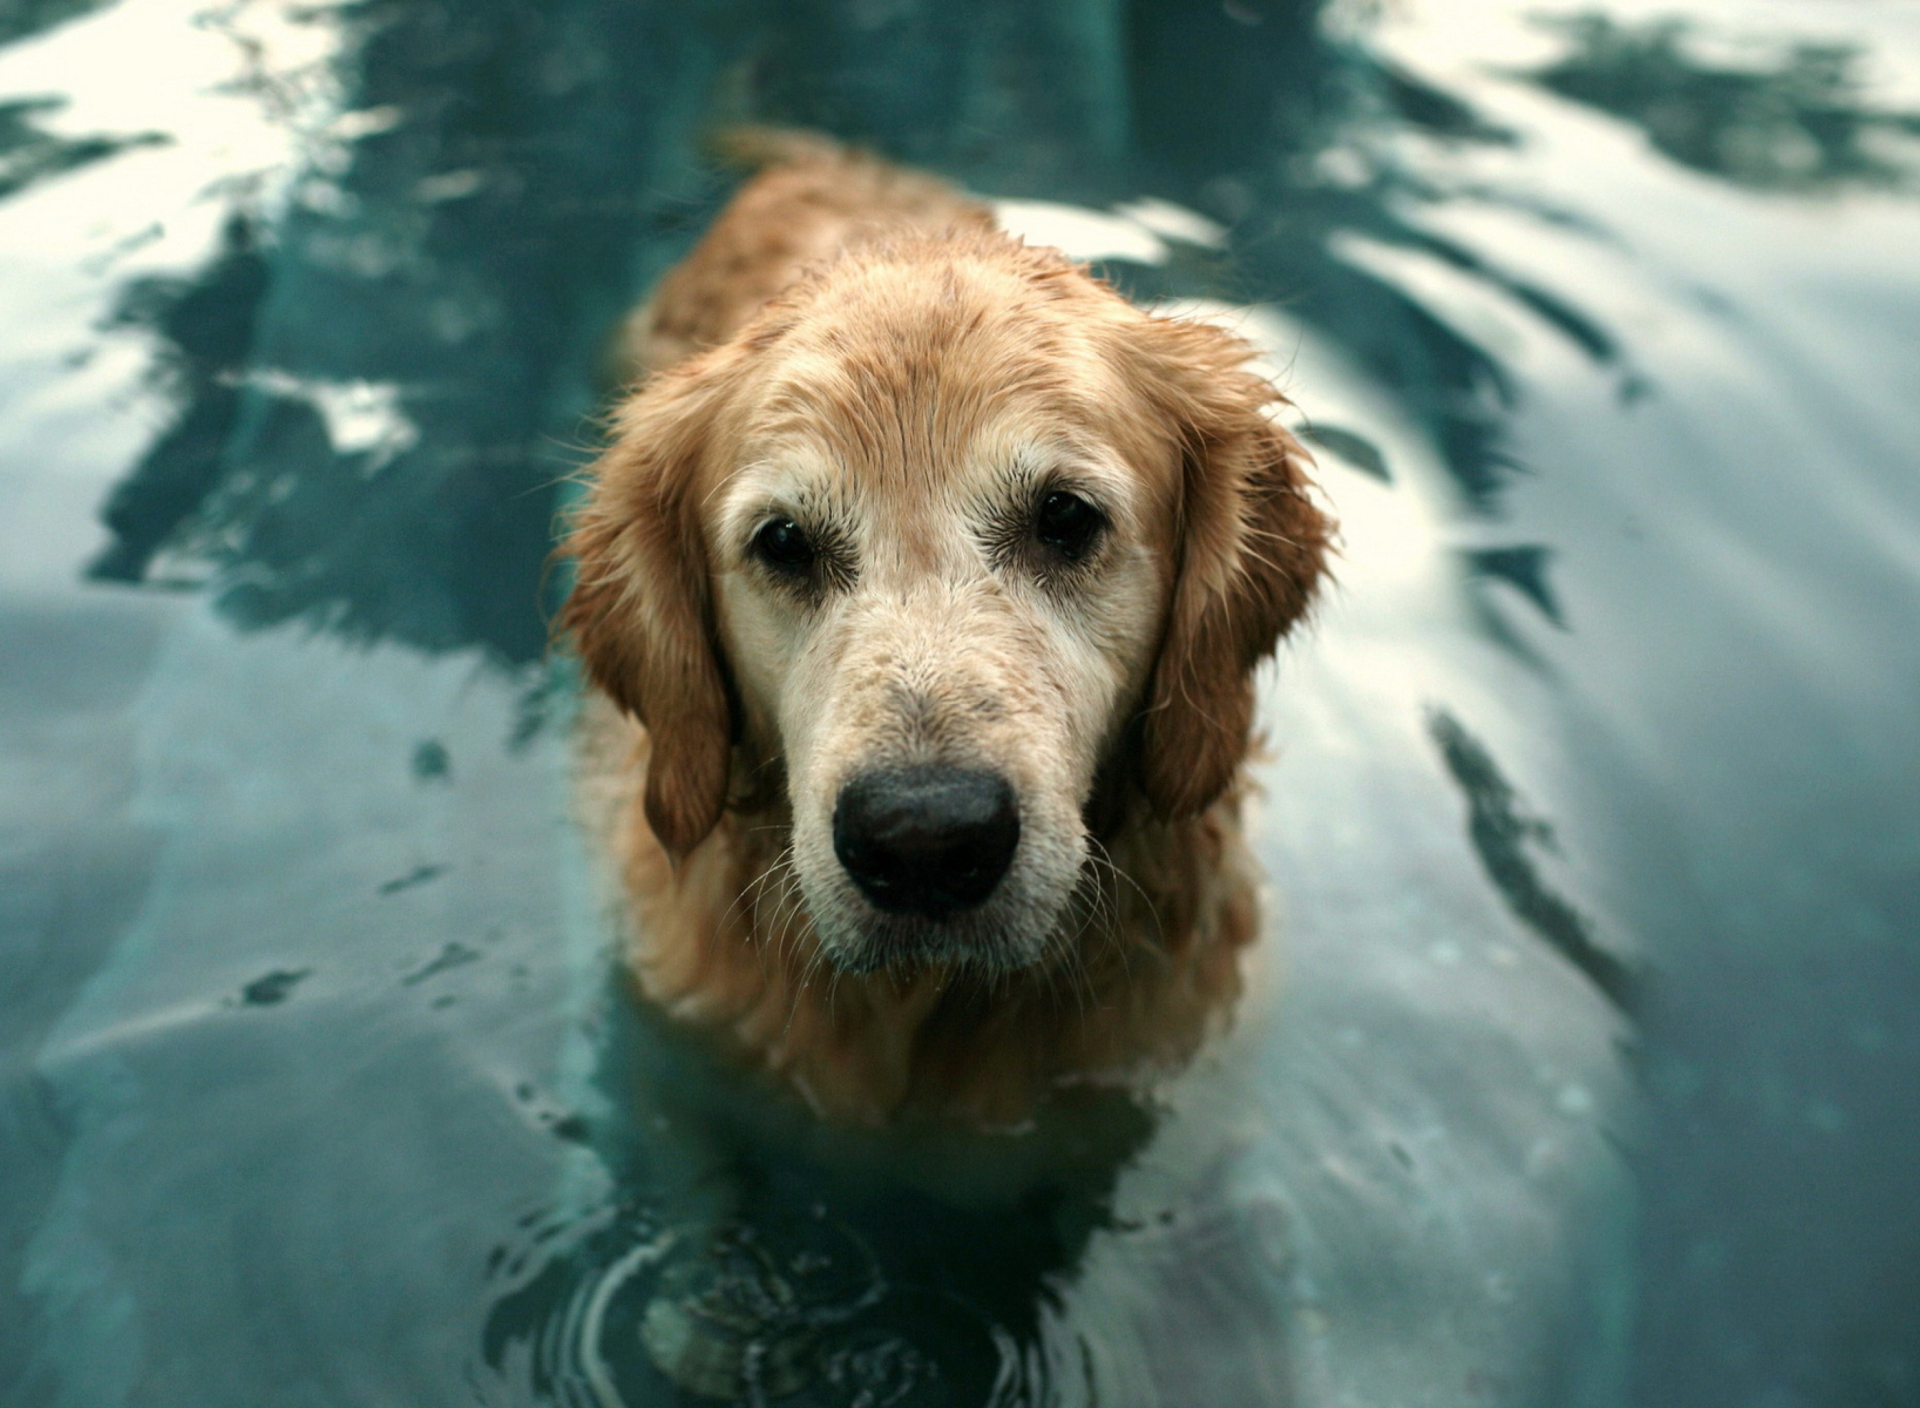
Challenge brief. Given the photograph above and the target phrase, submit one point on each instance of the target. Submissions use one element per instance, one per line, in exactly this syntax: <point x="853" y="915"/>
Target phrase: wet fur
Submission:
<point x="855" y="315"/>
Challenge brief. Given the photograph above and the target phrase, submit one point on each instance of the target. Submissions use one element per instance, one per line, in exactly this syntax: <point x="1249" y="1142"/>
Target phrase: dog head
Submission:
<point x="970" y="553"/>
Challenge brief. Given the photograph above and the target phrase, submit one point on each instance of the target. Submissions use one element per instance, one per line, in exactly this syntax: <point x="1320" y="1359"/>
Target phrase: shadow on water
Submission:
<point x="749" y="1255"/>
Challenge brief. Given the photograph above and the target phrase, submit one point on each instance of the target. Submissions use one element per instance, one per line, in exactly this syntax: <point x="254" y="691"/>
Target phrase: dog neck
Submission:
<point x="1146" y="965"/>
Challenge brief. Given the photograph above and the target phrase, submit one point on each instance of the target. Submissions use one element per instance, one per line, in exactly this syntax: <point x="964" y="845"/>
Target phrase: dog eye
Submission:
<point x="784" y="547"/>
<point x="1068" y="524"/>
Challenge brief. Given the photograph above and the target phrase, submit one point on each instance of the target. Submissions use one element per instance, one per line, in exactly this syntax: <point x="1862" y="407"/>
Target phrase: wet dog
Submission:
<point x="923" y="582"/>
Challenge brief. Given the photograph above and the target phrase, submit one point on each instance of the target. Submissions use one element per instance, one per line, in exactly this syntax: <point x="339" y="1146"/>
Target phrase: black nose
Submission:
<point x="926" y="840"/>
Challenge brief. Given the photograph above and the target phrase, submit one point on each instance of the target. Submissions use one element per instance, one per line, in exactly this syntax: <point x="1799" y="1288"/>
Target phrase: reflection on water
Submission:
<point x="375" y="446"/>
<point x="321" y="1085"/>
<point x="747" y="1255"/>
<point x="28" y="153"/>
<point x="1799" y="123"/>
<point x="26" y="17"/>
<point x="207" y="326"/>
<point x="1503" y="834"/>
<point x="502" y="185"/>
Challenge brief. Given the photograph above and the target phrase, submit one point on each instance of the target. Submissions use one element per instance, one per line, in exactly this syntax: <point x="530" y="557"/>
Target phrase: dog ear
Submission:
<point x="1251" y="551"/>
<point x="641" y="613"/>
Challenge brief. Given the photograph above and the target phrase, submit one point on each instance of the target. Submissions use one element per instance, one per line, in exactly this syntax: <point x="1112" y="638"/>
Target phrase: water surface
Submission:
<point x="1579" y="1065"/>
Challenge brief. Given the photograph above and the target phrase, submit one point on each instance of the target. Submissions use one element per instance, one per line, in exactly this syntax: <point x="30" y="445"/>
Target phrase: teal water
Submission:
<point x="1579" y="1067"/>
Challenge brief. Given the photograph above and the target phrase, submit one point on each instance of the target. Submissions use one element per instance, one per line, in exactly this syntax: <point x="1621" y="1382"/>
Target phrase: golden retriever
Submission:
<point x="924" y="579"/>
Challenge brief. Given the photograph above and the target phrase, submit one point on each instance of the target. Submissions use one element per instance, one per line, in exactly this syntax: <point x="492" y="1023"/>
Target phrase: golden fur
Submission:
<point x="855" y="347"/>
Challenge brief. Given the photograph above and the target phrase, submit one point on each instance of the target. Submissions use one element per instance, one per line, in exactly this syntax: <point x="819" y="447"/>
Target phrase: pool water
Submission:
<point x="1578" y="1066"/>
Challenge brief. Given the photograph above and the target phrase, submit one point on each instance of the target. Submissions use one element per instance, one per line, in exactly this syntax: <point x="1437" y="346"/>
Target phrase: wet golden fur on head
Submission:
<point x="855" y="353"/>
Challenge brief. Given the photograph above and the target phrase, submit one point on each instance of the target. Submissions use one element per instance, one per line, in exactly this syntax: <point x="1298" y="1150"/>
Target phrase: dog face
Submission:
<point x="967" y="550"/>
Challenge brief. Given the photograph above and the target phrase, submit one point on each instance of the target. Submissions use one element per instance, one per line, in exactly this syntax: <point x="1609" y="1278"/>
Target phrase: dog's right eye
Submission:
<point x="784" y="547"/>
<point x="1068" y="524"/>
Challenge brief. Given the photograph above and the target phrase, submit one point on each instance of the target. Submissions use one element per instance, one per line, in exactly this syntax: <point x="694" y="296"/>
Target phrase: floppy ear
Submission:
<point x="1251" y="552"/>
<point x="640" y="612"/>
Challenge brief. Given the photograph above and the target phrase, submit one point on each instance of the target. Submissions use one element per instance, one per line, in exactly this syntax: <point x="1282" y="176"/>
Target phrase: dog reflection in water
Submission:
<point x="752" y="1253"/>
<point x="922" y="585"/>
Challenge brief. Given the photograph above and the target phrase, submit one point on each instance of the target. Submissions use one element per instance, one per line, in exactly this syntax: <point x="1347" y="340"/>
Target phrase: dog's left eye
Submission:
<point x="1068" y="524"/>
<point x="784" y="547"/>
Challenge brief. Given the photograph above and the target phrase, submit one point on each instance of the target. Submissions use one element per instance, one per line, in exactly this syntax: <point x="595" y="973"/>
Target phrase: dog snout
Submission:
<point x="930" y="841"/>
